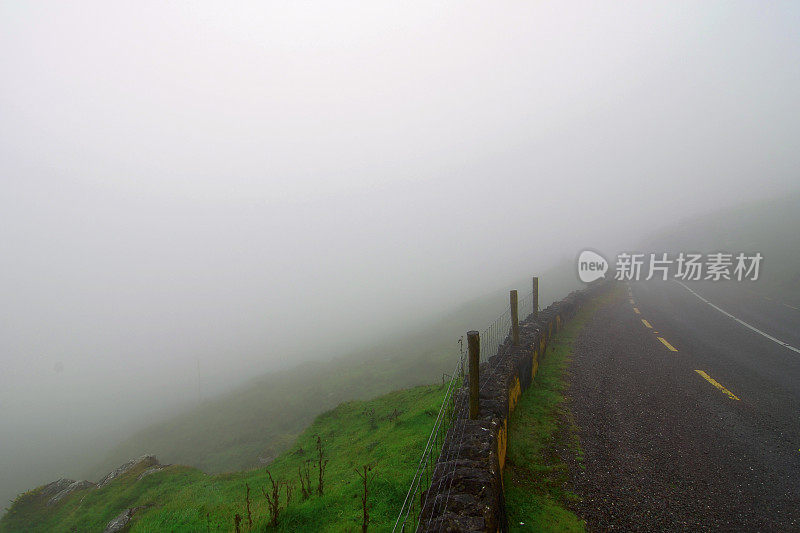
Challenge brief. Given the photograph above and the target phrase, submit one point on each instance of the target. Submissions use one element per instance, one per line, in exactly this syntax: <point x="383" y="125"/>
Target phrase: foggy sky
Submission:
<point x="247" y="187"/>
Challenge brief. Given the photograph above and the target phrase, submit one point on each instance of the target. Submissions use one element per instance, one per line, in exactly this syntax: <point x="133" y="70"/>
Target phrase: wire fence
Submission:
<point x="495" y="334"/>
<point x="453" y="407"/>
<point x="408" y="519"/>
<point x="526" y="307"/>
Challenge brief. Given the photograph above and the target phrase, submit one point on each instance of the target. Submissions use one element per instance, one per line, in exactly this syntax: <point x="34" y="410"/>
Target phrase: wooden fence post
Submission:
<point x="512" y="296"/>
<point x="474" y="345"/>
<point x="535" y="297"/>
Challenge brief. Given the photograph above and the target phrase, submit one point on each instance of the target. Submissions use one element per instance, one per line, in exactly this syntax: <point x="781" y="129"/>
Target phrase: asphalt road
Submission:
<point x="669" y="448"/>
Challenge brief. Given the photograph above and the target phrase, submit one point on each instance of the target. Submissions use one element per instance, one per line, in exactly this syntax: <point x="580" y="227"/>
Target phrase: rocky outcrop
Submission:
<point x="55" y="491"/>
<point x="143" y="461"/>
<point x="69" y="489"/>
<point x="151" y="470"/>
<point x="53" y="488"/>
<point x="150" y="465"/>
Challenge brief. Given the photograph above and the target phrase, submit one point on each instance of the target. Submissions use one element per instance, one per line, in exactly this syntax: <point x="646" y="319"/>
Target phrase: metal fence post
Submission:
<point x="474" y="344"/>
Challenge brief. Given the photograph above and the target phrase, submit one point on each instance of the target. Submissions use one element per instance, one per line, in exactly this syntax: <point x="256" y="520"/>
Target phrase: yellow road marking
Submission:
<point x="717" y="384"/>
<point x="636" y="310"/>
<point x="646" y="323"/>
<point x="631" y="301"/>
<point x="668" y="345"/>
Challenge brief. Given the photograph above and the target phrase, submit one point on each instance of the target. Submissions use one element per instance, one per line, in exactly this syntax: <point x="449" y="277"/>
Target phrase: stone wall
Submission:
<point x="466" y="491"/>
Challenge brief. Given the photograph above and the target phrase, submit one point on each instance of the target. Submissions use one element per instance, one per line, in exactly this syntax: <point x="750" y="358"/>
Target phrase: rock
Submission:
<point x="145" y="461"/>
<point x="151" y="470"/>
<point x="123" y="519"/>
<point x="72" y="487"/>
<point x="120" y="522"/>
<point x="51" y="489"/>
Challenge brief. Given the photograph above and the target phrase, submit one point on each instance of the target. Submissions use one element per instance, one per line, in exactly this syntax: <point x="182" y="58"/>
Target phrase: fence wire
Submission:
<point x="526" y="307"/>
<point x="408" y="519"/>
<point x="453" y="407"/>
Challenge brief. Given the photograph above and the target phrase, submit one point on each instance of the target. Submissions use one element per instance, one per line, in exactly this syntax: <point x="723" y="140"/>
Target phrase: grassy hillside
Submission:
<point x="387" y="433"/>
<point x="769" y="227"/>
<point x="263" y="417"/>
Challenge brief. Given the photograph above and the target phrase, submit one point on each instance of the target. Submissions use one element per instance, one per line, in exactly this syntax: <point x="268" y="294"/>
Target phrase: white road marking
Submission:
<point x="751" y="291"/>
<point x="742" y="322"/>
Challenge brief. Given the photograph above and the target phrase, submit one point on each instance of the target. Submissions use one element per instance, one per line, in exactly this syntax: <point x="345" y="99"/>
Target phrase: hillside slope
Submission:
<point x="261" y="418"/>
<point x="387" y="433"/>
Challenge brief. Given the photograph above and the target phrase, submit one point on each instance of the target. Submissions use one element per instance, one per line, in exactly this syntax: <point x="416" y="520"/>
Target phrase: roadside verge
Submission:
<point x="543" y="440"/>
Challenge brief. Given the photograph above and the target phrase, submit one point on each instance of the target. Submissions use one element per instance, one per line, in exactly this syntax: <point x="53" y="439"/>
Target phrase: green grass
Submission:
<point x="535" y="475"/>
<point x="181" y="498"/>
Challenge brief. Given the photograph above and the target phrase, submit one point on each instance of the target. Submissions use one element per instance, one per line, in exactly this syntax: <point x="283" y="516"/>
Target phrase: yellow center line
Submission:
<point x="646" y="323"/>
<point x="717" y="384"/>
<point x="636" y="310"/>
<point x="668" y="345"/>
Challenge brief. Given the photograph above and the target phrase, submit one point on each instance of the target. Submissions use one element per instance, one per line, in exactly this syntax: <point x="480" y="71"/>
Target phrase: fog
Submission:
<point x="196" y="193"/>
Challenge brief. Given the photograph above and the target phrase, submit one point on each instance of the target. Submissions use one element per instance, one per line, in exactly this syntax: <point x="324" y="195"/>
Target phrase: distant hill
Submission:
<point x="771" y="227"/>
